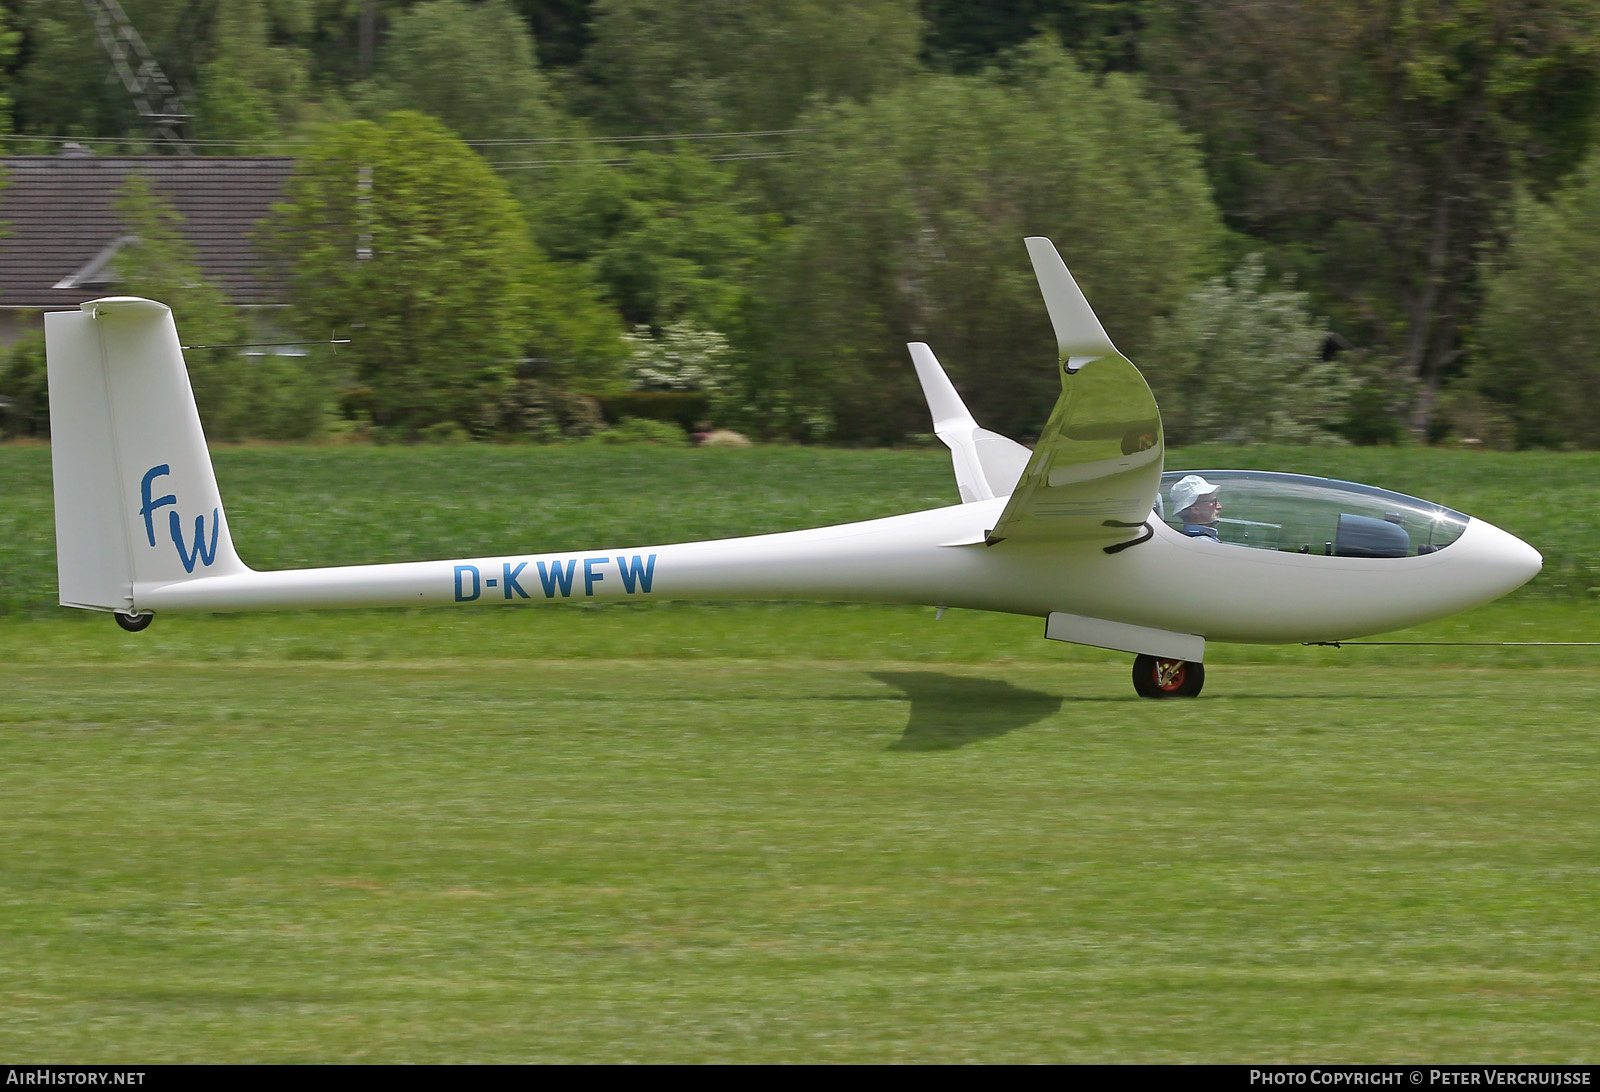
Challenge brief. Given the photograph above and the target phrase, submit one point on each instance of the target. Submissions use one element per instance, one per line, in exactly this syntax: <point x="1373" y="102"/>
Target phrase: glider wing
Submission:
<point x="1095" y="472"/>
<point x="987" y="464"/>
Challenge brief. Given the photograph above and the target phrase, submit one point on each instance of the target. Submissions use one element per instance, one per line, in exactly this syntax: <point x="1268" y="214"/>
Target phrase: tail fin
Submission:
<point x="987" y="464"/>
<point x="136" y="499"/>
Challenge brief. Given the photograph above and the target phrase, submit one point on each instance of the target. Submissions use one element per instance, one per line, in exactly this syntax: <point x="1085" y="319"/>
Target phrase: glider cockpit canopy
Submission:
<point x="1307" y="515"/>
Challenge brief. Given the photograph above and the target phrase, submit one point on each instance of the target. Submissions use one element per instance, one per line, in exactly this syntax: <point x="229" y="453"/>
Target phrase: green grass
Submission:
<point x="497" y="858"/>
<point x="678" y="832"/>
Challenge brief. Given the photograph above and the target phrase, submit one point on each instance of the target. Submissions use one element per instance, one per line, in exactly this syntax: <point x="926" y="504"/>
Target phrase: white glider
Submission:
<point x="1071" y="532"/>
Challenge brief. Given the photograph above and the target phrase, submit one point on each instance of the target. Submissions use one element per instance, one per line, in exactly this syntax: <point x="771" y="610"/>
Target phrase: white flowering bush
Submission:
<point x="683" y="358"/>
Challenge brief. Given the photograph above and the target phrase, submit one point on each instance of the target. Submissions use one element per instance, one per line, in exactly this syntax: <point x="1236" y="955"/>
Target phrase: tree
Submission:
<point x="396" y="232"/>
<point x="910" y="214"/>
<point x="24" y="388"/>
<point x="964" y="36"/>
<point x="472" y="66"/>
<point x="560" y="29"/>
<point x="8" y="47"/>
<point x="669" y="236"/>
<point x="660" y="66"/>
<point x="1541" y="331"/>
<point x="1240" y="362"/>
<point x="256" y="81"/>
<point x="61" y="87"/>
<point x="1376" y="145"/>
<point x="241" y="67"/>
<point x="238" y="397"/>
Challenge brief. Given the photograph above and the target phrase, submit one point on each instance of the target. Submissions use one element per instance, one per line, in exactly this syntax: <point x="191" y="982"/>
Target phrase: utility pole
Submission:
<point x="161" y="108"/>
<point x="367" y="37"/>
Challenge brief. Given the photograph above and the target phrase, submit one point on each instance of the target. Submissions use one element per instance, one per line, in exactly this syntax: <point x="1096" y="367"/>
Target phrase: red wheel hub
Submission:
<point x="1170" y="674"/>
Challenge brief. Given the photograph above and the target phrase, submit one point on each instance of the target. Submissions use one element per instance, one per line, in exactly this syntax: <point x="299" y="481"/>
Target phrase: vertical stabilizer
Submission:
<point x="136" y="499"/>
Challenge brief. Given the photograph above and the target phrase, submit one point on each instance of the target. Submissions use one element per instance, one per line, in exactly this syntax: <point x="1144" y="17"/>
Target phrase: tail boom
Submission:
<point x="892" y="560"/>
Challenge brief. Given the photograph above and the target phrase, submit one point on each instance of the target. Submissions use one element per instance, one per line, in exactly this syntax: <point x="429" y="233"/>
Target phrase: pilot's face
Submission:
<point x="1205" y="509"/>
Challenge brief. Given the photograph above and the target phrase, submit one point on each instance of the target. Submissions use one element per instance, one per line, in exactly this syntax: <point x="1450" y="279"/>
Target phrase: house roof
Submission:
<point x="61" y="229"/>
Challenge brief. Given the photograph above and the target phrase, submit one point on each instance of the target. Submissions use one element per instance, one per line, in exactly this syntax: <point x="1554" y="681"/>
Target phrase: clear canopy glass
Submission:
<point x="1301" y="514"/>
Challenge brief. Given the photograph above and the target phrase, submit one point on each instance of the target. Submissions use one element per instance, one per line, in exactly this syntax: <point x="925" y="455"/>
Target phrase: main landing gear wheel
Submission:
<point x="133" y="623"/>
<point x="1156" y="678"/>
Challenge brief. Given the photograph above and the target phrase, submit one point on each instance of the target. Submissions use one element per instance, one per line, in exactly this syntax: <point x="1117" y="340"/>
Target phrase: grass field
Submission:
<point x="778" y="833"/>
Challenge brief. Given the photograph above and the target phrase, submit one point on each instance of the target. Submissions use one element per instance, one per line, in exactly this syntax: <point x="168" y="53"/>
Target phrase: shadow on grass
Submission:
<point x="949" y="711"/>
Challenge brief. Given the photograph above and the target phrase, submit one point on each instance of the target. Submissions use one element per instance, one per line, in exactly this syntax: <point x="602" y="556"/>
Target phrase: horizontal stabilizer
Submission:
<point x="987" y="464"/>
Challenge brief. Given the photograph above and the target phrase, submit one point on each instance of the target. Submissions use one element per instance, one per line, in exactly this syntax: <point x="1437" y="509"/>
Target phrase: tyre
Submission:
<point x="133" y="623"/>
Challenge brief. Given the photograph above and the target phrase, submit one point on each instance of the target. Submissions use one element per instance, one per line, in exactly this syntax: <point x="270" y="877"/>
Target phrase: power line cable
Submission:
<point x="507" y="141"/>
<point x="497" y="142"/>
<point x="543" y="164"/>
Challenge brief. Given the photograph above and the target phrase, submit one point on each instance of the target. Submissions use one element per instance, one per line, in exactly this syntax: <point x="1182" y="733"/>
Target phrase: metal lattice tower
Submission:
<point x="161" y="108"/>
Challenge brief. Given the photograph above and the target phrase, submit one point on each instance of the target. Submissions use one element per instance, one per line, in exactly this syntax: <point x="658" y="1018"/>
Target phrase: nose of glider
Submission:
<point x="1503" y="561"/>
<point x="1527" y="561"/>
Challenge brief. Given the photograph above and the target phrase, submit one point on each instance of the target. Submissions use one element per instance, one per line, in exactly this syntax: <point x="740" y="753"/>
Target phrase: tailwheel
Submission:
<point x="1158" y="678"/>
<point x="133" y="622"/>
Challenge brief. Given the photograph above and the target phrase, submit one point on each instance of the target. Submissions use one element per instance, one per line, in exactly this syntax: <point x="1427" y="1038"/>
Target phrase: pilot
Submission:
<point x="1195" y="501"/>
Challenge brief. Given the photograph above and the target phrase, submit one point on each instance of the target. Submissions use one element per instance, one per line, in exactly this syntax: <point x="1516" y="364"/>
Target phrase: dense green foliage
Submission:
<point x="663" y="66"/>
<point x="909" y="216"/>
<point x="819" y="181"/>
<point x="8" y="45"/>
<point x="252" y="83"/>
<point x="469" y="65"/>
<point x="1376" y="145"/>
<point x="1241" y="362"/>
<point x="672" y="239"/>
<point x="395" y="230"/>
<point x="1541" y="329"/>
<point x="964" y="36"/>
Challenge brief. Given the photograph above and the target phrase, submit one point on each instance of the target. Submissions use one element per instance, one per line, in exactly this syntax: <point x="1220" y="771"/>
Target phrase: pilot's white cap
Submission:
<point x="1189" y="489"/>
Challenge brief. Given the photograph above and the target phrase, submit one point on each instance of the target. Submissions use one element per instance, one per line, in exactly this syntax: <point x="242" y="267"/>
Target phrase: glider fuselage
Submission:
<point x="1169" y="582"/>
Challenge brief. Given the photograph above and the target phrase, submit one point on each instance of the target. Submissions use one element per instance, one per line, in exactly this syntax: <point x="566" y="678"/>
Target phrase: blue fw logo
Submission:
<point x="202" y="551"/>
